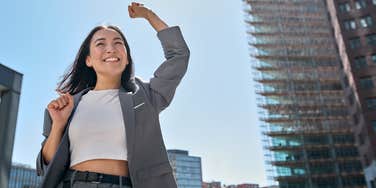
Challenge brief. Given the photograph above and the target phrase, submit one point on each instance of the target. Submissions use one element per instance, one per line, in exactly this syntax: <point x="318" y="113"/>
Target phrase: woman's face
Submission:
<point x="108" y="55"/>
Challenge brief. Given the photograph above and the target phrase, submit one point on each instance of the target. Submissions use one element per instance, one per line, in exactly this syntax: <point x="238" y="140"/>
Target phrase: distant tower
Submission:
<point x="308" y="132"/>
<point x="187" y="169"/>
<point x="23" y="176"/>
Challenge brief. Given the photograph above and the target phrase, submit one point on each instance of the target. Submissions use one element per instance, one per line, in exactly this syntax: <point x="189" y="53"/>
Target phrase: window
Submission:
<point x="360" y="62"/>
<point x="366" y="83"/>
<point x="366" y="21"/>
<point x="360" y="4"/>
<point x="345" y="7"/>
<point x="373" y="57"/>
<point x="349" y="24"/>
<point x="354" y="43"/>
<point x="373" y="123"/>
<point x="343" y="138"/>
<point x="346" y="152"/>
<point x="374" y="2"/>
<point x="361" y="139"/>
<point x="371" y="103"/>
<point x="371" y="40"/>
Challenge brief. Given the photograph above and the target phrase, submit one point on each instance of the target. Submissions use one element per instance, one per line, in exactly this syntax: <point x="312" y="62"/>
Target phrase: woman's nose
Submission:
<point x="110" y="49"/>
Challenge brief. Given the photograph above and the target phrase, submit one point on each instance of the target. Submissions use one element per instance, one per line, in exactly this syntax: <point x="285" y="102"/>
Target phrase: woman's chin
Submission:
<point x="111" y="73"/>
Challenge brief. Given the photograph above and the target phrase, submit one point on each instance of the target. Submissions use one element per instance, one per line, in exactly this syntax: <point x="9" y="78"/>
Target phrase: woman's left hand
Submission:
<point x="137" y="10"/>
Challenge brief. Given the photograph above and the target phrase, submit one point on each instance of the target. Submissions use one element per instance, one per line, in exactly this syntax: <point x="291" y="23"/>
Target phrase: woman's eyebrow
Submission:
<point x="118" y="38"/>
<point x="99" y="39"/>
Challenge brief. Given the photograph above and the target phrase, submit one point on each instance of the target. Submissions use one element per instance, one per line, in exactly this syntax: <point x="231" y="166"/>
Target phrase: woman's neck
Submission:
<point x="106" y="83"/>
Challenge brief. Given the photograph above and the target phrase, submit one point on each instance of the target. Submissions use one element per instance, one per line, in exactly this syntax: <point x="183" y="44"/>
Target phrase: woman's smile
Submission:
<point x="112" y="60"/>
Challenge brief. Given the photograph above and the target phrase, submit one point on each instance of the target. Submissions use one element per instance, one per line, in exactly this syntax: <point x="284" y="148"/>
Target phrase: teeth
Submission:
<point x="111" y="59"/>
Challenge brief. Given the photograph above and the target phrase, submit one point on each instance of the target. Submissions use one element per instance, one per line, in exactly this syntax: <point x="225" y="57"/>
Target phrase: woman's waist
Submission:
<point x="105" y="166"/>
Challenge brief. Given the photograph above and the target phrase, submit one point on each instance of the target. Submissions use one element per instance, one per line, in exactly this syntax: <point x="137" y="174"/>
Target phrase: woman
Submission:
<point x="103" y="130"/>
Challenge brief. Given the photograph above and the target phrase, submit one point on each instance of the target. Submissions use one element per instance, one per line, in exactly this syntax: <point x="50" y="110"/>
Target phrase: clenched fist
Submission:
<point x="137" y="10"/>
<point x="60" y="110"/>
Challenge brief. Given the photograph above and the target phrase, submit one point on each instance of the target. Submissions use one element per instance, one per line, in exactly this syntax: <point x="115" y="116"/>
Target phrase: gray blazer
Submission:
<point x="148" y="163"/>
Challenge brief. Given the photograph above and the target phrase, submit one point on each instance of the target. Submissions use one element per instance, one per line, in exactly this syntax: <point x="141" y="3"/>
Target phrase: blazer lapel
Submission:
<point x="126" y="102"/>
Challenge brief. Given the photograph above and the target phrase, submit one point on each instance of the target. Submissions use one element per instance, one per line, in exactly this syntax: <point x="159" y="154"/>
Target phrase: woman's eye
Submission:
<point x="119" y="43"/>
<point x="100" y="44"/>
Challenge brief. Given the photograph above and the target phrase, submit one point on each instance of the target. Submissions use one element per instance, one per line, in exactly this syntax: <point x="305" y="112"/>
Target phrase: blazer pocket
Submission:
<point x="154" y="171"/>
<point x="139" y="106"/>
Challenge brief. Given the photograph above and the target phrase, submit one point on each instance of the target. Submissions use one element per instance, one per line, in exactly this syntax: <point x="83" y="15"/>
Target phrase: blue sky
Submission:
<point x="213" y="114"/>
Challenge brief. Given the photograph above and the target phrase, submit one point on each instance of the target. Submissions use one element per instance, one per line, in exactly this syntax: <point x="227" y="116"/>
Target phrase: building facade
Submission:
<point x="10" y="91"/>
<point x="213" y="184"/>
<point x="187" y="169"/>
<point x="247" y="185"/>
<point x="271" y="186"/>
<point x="354" y="24"/>
<point x="23" y="176"/>
<point x="307" y="126"/>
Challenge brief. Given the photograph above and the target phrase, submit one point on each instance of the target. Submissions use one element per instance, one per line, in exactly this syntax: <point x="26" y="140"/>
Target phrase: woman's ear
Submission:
<point x="88" y="61"/>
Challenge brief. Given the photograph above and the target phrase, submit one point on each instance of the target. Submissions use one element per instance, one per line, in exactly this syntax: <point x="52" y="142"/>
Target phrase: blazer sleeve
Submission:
<point x="40" y="163"/>
<point x="168" y="75"/>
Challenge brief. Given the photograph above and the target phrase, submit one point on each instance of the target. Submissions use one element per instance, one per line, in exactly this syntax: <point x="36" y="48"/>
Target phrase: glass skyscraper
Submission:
<point x="306" y="123"/>
<point x="187" y="169"/>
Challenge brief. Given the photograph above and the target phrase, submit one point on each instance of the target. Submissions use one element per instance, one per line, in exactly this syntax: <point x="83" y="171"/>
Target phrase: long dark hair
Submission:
<point x="79" y="76"/>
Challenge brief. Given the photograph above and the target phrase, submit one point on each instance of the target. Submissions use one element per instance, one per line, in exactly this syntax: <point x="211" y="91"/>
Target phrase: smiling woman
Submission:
<point x="104" y="128"/>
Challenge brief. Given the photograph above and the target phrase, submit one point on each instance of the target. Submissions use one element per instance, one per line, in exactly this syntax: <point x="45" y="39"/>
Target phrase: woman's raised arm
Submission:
<point x="168" y="75"/>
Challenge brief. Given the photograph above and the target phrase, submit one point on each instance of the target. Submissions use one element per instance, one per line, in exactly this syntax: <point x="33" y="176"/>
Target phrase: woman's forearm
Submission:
<point x="51" y="145"/>
<point x="155" y="21"/>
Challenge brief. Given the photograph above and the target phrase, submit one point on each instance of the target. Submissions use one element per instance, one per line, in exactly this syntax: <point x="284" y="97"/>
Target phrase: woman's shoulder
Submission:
<point x="142" y="84"/>
<point x="140" y="81"/>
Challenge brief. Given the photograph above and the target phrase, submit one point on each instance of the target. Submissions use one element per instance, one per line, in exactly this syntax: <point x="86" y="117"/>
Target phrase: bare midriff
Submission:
<point x="105" y="166"/>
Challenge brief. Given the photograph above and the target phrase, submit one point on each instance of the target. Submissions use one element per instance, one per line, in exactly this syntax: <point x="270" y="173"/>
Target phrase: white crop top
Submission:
<point x="97" y="128"/>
